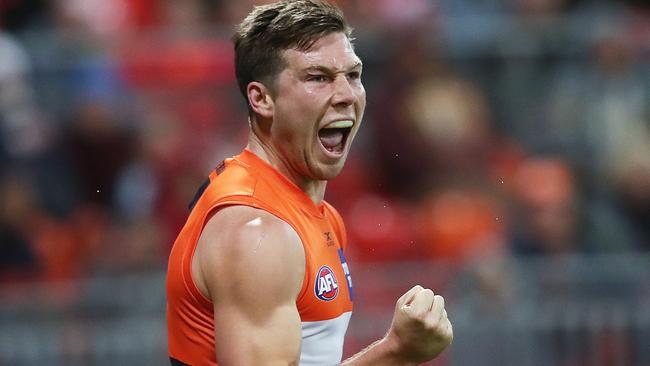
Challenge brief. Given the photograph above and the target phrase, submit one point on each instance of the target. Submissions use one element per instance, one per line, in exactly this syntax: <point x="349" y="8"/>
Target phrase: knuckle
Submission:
<point x="431" y="325"/>
<point x="449" y="329"/>
<point x="440" y="299"/>
<point x="418" y="315"/>
<point x="426" y="294"/>
<point x="442" y="326"/>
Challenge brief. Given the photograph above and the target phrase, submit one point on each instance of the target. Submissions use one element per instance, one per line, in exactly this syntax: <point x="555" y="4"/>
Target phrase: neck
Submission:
<point x="315" y="189"/>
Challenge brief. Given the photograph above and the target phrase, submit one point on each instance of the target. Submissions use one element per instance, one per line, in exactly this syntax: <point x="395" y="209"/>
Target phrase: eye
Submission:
<point x="354" y="75"/>
<point x="319" y="78"/>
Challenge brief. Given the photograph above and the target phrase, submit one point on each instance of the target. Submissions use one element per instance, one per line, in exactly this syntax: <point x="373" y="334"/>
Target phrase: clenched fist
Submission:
<point x="420" y="329"/>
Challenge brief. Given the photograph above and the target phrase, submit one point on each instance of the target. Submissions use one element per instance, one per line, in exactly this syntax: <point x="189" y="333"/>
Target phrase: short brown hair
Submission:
<point x="270" y="29"/>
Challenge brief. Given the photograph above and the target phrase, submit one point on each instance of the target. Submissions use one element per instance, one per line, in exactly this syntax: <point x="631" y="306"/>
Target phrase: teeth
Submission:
<point x="340" y="124"/>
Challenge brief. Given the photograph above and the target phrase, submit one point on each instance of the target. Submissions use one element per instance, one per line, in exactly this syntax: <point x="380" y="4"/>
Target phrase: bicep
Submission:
<point x="241" y="339"/>
<point x="253" y="266"/>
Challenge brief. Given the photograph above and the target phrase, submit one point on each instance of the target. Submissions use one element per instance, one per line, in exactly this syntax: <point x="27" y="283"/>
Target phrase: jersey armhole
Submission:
<point x="188" y="278"/>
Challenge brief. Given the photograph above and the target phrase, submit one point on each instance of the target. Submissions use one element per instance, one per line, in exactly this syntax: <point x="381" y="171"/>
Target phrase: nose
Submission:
<point x="344" y="93"/>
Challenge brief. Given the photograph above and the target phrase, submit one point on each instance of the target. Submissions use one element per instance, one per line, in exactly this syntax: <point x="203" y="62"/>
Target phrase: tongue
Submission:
<point x="330" y="137"/>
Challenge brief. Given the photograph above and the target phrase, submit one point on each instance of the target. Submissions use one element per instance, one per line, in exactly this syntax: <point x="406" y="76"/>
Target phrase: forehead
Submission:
<point x="332" y="51"/>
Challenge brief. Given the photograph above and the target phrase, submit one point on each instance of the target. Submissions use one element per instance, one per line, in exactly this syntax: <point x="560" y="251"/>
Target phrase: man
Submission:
<point x="258" y="275"/>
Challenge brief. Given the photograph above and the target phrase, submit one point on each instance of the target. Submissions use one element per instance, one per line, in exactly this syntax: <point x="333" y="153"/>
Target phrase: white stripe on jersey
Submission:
<point x="322" y="341"/>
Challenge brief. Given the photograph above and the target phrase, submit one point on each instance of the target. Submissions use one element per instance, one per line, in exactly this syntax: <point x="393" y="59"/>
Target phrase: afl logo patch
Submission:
<point x="326" y="287"/>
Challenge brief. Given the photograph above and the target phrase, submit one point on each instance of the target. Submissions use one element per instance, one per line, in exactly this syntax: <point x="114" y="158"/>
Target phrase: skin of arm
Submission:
<point x="420" y="331"/>
<point x="251" y="265"/>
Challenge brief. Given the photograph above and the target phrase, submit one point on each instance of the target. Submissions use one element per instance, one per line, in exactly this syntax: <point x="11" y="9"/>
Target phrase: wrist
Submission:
<point x="395" y="351"/>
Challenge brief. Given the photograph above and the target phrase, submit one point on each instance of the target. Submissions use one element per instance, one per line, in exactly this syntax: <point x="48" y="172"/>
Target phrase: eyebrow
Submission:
<point x="328" y="70"/>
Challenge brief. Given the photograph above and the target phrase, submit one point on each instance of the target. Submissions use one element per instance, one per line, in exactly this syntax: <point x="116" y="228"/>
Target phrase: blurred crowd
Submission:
<point x="494" y="128"/>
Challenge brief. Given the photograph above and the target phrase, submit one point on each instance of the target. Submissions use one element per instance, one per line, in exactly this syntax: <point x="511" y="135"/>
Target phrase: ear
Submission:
<point x="260" y="99"/>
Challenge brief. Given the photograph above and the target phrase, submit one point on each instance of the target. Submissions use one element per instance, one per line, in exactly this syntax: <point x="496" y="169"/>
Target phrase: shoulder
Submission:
<point x="238" y="224"/>
<point x="248" y="246"/>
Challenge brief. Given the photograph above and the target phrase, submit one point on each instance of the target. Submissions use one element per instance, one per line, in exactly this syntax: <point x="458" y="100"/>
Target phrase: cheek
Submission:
<point x="361" y="97"/>
<point x="308" y="101"/>
<point x="295" y="129"/>
<point x="311" y="90"/>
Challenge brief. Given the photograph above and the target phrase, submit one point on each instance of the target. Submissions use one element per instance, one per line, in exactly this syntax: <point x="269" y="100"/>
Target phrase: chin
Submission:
<point x="329" y="172"/>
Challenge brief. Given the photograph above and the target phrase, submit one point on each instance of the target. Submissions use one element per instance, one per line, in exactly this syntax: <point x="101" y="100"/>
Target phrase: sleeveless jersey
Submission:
<point x="325" y="299"/>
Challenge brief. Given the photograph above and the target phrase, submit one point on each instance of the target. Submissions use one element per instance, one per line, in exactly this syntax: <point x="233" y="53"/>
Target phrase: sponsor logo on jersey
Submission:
<point x="327" y="287"/>
<point x="328" y="239"/>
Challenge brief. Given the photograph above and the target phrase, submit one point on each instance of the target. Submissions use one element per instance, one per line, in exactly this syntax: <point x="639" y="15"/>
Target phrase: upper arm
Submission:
<point x="252" y="265"/>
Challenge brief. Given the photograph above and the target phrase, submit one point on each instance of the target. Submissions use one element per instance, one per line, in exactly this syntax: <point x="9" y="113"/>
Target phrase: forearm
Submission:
<point x="420" y="331"/>
<point x="379" y="353"/>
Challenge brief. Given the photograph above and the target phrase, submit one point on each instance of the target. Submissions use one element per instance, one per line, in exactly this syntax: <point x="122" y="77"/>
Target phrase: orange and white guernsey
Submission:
<point x="325" y="300"/>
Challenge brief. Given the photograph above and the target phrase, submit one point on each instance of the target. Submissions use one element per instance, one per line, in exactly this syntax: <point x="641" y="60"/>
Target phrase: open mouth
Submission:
<point x="334" y="136"/>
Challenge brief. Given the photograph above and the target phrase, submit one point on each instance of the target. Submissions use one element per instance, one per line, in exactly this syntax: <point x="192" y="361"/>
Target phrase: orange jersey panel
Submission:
<point x="326" y="292"/>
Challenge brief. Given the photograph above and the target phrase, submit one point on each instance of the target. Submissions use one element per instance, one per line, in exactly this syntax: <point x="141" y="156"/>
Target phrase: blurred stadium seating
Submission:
<point x="579" y="310"/>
